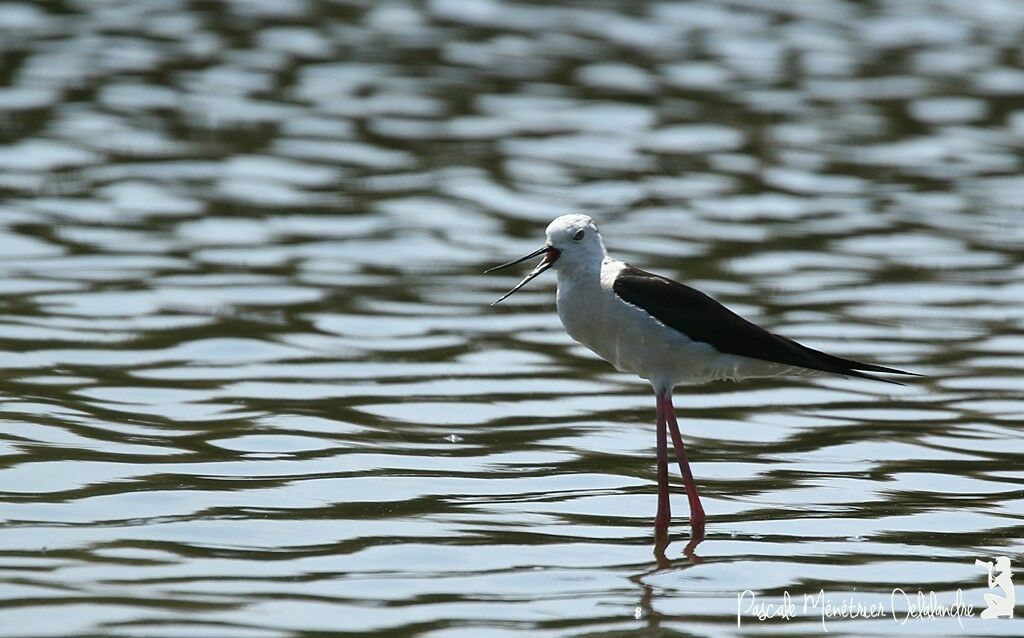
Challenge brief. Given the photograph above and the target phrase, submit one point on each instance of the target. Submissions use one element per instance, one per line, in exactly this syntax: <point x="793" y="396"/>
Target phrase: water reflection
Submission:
<point x="252" y="385"/>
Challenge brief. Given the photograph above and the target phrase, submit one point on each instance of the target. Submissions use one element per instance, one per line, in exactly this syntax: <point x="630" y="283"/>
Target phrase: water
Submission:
<point x="252" y="385"/>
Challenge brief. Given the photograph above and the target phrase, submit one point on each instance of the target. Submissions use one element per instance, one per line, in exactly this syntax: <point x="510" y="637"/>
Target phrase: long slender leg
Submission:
<point x="697" y="517"/>
<point x="661" y="520"/>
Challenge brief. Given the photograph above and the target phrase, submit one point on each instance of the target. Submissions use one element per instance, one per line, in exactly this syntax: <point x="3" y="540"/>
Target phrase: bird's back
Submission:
<point x="702" y="319"/>
<point x="634" y="341"/>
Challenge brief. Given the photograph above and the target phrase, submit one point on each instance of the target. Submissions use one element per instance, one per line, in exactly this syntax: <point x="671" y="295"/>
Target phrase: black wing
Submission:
<point x="703" y="319"/>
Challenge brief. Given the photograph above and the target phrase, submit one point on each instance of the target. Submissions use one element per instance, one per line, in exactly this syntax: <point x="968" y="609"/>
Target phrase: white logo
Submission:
<point x="902" y="607"/>
<point x="999" y="606"/>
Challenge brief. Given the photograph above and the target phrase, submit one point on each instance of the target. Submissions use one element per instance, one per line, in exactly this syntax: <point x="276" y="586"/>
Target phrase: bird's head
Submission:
<point x="572" y="243"/>
<point x="577" y="241"/>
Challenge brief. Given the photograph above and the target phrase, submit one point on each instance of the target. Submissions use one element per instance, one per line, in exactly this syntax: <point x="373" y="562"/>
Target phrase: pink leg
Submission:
<point x="661" y="520"/>
<point x="697" y="517"/>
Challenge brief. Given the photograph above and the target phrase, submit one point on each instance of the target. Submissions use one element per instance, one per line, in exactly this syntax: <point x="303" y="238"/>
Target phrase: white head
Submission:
<point x="578" y="243"/>
<point x="573" y="244"/>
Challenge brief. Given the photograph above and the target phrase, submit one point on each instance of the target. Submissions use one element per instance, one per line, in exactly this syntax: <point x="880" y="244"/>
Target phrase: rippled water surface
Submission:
<point x="252" y="386"/>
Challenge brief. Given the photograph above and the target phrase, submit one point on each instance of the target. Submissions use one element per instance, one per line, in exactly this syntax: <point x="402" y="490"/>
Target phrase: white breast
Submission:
<point x="634" y="341"/>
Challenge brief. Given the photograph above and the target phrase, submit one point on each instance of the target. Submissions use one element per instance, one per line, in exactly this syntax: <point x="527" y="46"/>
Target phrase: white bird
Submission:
<point x="665" y="332"/>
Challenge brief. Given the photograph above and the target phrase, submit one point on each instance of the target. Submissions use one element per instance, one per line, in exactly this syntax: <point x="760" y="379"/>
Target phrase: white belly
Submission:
<point x="635" y="342"/>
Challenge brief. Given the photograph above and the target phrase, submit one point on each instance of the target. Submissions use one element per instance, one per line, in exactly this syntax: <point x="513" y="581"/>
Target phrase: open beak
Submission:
<point x="550" y="257"/>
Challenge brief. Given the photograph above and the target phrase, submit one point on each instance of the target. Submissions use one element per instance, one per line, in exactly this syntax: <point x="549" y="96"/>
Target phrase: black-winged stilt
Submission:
<point x="666" y="332"/>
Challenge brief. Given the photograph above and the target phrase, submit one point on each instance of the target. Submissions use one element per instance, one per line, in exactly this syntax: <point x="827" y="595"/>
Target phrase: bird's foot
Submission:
<point x="697" y="521"/>
<point x="690" y="551"/>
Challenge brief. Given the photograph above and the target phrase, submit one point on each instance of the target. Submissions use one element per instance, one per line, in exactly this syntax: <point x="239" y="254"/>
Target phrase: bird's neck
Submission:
<point x="581" y="272"/>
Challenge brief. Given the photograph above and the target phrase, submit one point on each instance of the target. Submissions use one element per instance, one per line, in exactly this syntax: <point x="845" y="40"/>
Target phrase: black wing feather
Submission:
<point x="703" y="319"/>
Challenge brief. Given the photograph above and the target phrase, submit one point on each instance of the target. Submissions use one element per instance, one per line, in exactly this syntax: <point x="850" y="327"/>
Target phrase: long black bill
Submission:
<point x="550" y="257"/>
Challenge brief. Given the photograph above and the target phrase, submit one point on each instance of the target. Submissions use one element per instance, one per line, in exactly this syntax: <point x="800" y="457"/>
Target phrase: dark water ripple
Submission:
<point x="252" y="385"/>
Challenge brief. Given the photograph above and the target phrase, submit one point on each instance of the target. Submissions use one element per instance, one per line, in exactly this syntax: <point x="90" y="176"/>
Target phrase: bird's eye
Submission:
<point x="579" y="235"/>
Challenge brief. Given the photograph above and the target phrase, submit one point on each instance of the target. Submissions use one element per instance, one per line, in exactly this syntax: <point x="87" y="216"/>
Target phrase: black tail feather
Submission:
<point x="867" y="367"/>
<point x="849" y="367"/>
<point x="864" y="375"/>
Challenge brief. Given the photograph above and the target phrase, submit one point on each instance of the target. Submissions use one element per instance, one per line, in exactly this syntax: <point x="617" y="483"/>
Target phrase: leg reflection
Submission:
<point x="644" y="609"/>
<point x="661" y="543"/>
